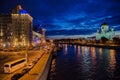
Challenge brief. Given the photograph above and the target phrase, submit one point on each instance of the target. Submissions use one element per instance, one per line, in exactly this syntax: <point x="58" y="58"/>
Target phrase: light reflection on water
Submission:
<point x="78" y="51"/>
<point x="65" y="48"/>
<point x="75" y="49"/>
<point x="112" y="60"/>
<point x="85" y="63"/>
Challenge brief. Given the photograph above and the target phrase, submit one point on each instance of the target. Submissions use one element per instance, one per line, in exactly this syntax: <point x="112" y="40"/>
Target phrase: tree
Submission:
<point x="104" y="40"/>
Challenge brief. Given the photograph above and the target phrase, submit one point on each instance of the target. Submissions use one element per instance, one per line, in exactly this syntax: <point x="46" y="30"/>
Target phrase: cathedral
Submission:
<point x="105" y="31"/>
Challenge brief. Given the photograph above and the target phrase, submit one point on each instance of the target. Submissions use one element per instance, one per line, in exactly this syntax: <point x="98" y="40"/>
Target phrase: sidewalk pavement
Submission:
<point x="39" y="68"/>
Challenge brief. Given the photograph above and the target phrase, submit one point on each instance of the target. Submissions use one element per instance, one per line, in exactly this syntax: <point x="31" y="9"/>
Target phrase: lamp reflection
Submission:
<point x="66" y="49"/>
<point x="93" y="55"/>
<point x="112" y="59"/>
<point x="86" y="60"/>
<point x="83" y="50"/>
<point x="74" y="48"/>
<point x="93" y="52"/>
<point x="78" y="54"/>
<point x="100" y="52"/>
<point x="79" y="50"/>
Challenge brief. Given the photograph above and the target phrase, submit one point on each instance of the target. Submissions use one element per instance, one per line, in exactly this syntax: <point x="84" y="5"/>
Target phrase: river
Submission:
<point x="75" y="62"/>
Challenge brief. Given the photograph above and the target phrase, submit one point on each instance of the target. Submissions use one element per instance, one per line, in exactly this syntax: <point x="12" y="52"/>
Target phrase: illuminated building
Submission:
<point x="105" y="31"/>
<point x="43" y="35"/>
<point x="36" y="39"/>
<point x="16" y="28"/>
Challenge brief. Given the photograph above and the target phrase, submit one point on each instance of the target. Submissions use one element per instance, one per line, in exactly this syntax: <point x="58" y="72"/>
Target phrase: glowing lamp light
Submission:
<point x="38" y="41"/>
<point x="4" y="45"/>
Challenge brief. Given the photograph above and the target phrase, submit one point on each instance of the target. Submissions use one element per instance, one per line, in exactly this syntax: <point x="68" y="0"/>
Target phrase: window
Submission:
<point x="17" y="63"/>
<point x="6" y="65"/>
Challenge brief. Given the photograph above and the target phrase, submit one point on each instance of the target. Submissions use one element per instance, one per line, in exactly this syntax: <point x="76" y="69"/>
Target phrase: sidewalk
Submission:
<point x="37" y="71"/>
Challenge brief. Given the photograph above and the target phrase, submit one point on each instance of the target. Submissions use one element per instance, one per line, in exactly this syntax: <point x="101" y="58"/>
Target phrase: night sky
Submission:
<point x="69" y="17"/>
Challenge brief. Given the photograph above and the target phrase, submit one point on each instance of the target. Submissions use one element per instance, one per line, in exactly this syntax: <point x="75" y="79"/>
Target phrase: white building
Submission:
<point x="105" y="31"/>
<point x="39" y="38"/>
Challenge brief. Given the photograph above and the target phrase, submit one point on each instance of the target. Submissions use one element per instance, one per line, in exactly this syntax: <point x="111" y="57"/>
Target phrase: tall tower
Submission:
<point x="104" y="27"/>
<point x="44" y="34"/>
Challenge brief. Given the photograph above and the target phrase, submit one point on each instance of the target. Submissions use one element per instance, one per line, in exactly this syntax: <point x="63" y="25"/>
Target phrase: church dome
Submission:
<point x="105" y="27"/>
<point x="105" y="23"/>
<point x="22" y="11"/>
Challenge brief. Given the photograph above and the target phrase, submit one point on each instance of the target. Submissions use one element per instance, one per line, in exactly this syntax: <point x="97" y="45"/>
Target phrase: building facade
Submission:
<point x="16" y="29"/>
<point x="105" y="31"/>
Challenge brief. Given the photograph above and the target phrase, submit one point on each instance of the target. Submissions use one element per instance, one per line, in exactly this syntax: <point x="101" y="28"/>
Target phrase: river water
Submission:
<point x="76" y="62"/>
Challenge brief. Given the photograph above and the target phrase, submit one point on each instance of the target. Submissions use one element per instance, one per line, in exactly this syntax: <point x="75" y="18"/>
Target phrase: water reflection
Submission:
<point x="93" y="53"/>
<point x="86" y="63"/>
<point x="74" y="48"/>
<point x="93" y="56"/>
<point x="78" y="50"/>
<point x="112" y="60"/>
<point x="65" y="49"/>
<point x="83" y="50"/>
<point x="100" y="52"/>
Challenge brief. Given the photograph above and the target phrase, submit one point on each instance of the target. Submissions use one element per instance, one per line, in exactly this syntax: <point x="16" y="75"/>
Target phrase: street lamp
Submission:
<point x="44" y="35"/>
<point x="26" y="54"/>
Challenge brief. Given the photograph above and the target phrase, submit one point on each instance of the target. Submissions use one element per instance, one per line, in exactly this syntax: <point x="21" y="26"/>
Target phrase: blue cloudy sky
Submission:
<point x="69" y="17"/>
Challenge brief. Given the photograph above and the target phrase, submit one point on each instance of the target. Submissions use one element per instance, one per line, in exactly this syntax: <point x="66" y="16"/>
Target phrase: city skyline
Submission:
<point x="78" y="17"/>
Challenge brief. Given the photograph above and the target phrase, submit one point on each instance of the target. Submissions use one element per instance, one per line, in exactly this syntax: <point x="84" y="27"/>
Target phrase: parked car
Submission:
<point x="17" y="76"/>
<point x="36" y="60"/>
<point x="29" y="65"/>
<point x="25" y="70"/>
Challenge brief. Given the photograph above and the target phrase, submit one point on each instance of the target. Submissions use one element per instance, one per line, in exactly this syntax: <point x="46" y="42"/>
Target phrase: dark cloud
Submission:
<point x="69" y="17"/>
<point x="71" y="32"/>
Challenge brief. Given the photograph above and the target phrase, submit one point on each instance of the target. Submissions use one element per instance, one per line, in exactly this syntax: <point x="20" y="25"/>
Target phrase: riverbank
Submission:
<point x="41" y="69"/>
<point x="107" y="46"/>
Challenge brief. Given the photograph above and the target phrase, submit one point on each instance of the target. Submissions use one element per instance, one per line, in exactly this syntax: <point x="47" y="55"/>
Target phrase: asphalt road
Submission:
<point x="11" y="56"/>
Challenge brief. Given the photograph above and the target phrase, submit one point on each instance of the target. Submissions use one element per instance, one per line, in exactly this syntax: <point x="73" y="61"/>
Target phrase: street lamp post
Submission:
<point x="26" y="54"/>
